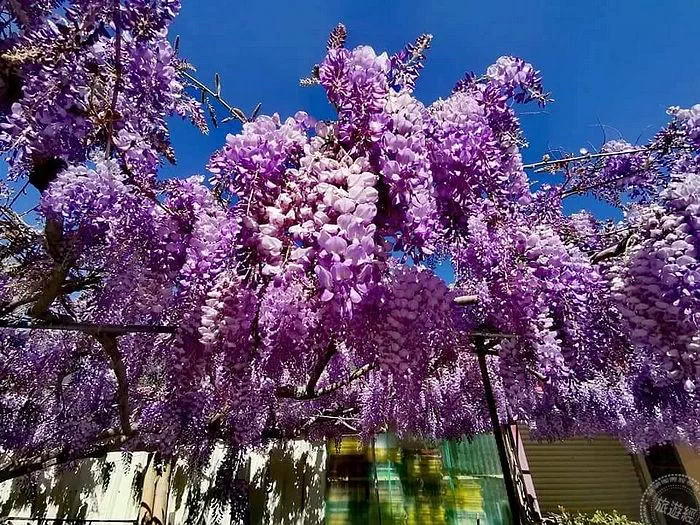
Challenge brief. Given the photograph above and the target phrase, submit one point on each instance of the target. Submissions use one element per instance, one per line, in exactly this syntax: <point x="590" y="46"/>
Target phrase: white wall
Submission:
<point x="285" y="480"/>
<point x="90" y="489"/>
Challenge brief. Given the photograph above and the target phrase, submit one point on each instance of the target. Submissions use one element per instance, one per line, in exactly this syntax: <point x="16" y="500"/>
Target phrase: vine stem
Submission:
<point x="587" y="156"/>
<point x="580" y="190"/>
<point x="236" y="113"/>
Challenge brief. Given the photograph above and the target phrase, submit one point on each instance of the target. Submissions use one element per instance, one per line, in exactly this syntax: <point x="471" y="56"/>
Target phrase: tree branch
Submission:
<point x="580" y="190"/>
<point x="69" y="287"/>
<point x="587" y="156"/>
<point x="109" y="344"/>
<point x="309" y="391"/>
<point x="58" y="457"/>
<point x="356" y="374"/>
<point x="19" y="236"/>
<point x="320" y="366"/>
<point x="50" y="289"/>
<point x="466" y="300"/>
<point x="613" y="251"/>
<point x="491" y="335"/>
<point x="19" y="12"/>
<point x="302" y="394"/>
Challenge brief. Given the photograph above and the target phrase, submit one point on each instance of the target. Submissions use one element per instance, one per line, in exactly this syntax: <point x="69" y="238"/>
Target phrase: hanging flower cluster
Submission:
<point x="102" y="75"/>
<point x="659" y="289"/>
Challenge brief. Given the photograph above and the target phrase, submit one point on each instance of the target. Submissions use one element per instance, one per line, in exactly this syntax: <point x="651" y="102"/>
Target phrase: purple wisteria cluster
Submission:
<point x="658" y="294"/>
<point x="294" y="292"/>
<point x="102" y="75"/>
<point x="690" y="121"/>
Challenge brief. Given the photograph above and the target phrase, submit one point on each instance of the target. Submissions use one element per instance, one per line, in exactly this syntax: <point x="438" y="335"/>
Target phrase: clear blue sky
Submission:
<point x="616" y="62"/>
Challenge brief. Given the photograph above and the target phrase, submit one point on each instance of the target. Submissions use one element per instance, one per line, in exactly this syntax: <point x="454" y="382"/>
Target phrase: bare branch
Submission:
<point x="236" y="113"/>
<point x="19" y="235"/>
<point x="301" y="393"/>
<point x="107" y="441"/>
<point x="537" y="374"/>
<point x="492" y="335"/>
<point x="19" y="12"/>
<point x="309" y="391"/>
<point x="582" y="189"/>
<point x="349" y="418"/>
<point x="53" y="284"/>
<point x="356" y="374"/>
<point x="22" y="191"/>
<point x="347" y="425"/>
<point x="587" y="156"/>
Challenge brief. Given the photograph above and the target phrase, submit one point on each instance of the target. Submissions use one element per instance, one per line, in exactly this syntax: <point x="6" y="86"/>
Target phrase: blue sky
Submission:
<point x="612" y="65"/>
<point x="619" y="63"/>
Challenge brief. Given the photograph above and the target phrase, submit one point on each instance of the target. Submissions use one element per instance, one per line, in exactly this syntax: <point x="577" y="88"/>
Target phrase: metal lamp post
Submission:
<point x="482" y="351"/>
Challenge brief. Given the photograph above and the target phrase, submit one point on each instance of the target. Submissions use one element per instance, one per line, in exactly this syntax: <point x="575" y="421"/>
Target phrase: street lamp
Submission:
<point x="481" y="350"/>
